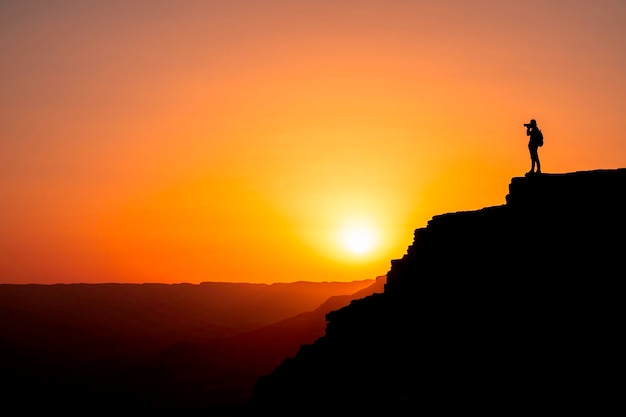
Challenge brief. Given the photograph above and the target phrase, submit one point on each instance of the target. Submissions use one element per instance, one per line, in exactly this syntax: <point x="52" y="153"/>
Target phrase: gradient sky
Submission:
<point x="190" y="141"/>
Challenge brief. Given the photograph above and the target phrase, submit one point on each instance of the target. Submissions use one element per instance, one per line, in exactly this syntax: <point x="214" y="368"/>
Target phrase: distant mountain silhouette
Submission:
<point x="90" y="320"/>
<point x="178" y="349"/>
<point x="516" y="308"/>
<point x="235" y="363"/>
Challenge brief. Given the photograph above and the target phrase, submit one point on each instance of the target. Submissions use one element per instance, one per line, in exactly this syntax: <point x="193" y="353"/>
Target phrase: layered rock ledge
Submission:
<point x="511" y="308"/>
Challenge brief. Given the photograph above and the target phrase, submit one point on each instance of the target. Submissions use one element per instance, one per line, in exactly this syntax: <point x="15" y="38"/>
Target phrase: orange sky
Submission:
<point x="190" y="141"/>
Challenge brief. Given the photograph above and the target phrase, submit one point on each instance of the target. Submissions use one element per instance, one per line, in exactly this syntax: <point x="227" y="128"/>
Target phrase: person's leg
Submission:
<point x="532" y="160"/>
<point x="537" y="163"/>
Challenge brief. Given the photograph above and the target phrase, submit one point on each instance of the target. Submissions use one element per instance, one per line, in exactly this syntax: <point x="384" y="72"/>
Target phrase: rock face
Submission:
<point x="517" y="307"/>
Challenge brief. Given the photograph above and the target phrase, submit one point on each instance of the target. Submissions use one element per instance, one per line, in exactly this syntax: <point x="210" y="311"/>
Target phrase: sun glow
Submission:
<point x="358" y="239"/>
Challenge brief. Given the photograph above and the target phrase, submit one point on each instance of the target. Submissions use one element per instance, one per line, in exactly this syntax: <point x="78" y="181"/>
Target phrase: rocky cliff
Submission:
<point x="517" y="307"/>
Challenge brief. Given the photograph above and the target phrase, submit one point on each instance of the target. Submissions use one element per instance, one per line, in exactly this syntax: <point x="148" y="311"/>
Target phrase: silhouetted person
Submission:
<point x="534" y="142"/>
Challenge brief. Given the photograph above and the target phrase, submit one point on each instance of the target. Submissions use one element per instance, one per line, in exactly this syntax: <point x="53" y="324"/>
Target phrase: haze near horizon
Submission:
<point x="278" y="141"/>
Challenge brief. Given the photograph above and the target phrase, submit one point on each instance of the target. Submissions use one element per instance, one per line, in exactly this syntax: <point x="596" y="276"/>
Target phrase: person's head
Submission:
<point x="533" y="123"/>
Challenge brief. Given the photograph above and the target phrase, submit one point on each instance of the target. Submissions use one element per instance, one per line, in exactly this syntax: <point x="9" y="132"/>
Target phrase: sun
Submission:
<point x="358" y="239"/>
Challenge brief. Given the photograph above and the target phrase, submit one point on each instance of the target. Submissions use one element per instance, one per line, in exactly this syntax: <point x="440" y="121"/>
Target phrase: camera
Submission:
<point x="527" y="125"/>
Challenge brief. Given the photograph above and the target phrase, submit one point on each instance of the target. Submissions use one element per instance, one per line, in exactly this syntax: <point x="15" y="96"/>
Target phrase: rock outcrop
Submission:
<point x="511" y="308"/>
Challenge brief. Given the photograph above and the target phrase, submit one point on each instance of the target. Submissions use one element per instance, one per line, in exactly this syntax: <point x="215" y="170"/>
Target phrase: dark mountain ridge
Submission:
<point x="179" y="349"/>
<point x="92" y="320"/>
<point x="510" y="308"/>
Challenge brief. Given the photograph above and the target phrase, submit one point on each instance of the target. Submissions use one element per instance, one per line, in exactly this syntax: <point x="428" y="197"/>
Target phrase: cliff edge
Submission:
<point x="517" y="307"/>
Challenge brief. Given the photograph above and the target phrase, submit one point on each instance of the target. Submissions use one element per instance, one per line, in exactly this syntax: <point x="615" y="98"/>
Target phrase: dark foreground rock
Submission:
<point x="511" y="308"/>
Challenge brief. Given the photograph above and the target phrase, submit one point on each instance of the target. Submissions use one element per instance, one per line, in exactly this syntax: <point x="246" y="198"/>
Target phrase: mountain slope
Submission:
<point x="225" y="370"/>
<point x="94" y="320"/>
<point x="75" y="348"/>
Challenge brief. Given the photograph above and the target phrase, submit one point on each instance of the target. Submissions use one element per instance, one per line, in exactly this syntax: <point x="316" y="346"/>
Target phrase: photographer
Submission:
<point x="534" y="142"/>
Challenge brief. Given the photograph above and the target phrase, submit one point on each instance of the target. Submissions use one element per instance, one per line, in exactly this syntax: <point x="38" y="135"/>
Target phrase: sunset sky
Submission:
<point x="283" y="140"/>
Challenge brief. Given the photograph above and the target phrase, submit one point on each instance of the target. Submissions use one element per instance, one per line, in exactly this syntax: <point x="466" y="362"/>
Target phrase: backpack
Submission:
<point x="539" y="138"/>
